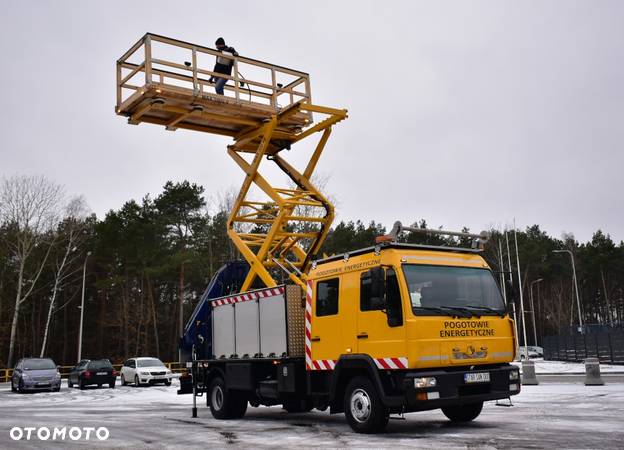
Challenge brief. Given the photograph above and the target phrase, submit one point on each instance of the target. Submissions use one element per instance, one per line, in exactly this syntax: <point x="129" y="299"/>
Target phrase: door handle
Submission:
<point x="362" y="335"/>
<point x="315" y="339"/>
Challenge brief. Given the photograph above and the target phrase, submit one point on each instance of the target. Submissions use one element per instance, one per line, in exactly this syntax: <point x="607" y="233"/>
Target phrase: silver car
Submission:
<point x="35" y="374"/>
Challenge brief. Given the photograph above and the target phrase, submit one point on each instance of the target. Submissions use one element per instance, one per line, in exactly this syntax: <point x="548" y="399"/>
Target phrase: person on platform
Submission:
<point x="223" y="65"/>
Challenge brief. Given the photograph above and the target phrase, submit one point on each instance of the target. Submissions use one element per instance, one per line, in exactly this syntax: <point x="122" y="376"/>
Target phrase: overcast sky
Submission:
<point x="463" y="113"/>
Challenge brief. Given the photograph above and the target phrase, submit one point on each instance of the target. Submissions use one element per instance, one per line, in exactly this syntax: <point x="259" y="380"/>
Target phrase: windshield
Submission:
<point x="39" y="364"/>
<point x="443" y="290"/>
<point x="100" y="364"/>
<point x="150" y="362"/>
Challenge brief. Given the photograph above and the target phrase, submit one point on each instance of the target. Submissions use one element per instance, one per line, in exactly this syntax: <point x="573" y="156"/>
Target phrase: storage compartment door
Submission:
<point x="273" y="326"/>
<point x="223" y="331"/>
<point x="247" y="345"/>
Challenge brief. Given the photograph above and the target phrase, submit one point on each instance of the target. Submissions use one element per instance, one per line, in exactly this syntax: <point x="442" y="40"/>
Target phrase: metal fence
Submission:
<point x="608" y="347"/>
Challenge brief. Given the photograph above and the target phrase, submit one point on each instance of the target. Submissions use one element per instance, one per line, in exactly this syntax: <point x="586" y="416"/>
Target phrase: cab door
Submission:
<point x="380" y="322"/>
<point x="333" y="322"/>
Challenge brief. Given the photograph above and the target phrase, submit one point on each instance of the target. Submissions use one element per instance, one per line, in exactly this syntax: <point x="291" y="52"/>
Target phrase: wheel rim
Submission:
<point x="217" y="398"/>
<point x="360" y="405"/>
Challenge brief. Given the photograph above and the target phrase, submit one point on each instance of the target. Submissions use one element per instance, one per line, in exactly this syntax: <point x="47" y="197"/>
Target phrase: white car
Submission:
<point x="145" y="371"/>
<point x="534" y="352"/>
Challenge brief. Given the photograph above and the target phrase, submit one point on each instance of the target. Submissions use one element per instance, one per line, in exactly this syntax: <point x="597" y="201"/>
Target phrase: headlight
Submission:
<point x="57" y="375"/>
<point x="144" y="373"/>
<point x="424" y="382"/>
<point x="25" y="375"/>
<point x="168" y="372"/>
<point x="514" y="375"/>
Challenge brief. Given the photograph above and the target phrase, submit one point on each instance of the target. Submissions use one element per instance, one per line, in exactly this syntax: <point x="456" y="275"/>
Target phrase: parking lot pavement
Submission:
<point x="545" y="416"/>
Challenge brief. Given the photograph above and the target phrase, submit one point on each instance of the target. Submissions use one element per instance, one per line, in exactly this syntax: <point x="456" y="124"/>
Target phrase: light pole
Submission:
<point x="526" y="347"/>
<point x="578" y="300"/>
<point x="84" y="273"/>
<point x="533" y="309"/>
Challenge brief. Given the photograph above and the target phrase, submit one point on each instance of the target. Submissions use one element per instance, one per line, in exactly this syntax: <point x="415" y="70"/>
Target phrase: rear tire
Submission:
<point x="69" y="383"/>
<point x="225" y="404"/>
<point x="81" y="384"/>
<point x="363" y="407"/>
<point x="463" y="413"/>
<point x="111" y="385"/>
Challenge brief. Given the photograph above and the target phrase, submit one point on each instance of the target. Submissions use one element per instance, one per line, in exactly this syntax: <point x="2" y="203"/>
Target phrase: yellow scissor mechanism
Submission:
<point x="288" y="229"/>
<point x="264" y="116"/>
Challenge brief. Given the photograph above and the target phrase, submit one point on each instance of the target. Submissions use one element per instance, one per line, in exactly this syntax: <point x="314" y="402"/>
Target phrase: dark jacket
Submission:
<point x="224" y="65"/>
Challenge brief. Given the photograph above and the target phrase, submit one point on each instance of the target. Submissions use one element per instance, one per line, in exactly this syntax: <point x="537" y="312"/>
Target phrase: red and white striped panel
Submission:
<point x="271" y="292"/>
<point x="324" y="364"/>
<point x="391" y="363"/>
<point x="308" y="327"/>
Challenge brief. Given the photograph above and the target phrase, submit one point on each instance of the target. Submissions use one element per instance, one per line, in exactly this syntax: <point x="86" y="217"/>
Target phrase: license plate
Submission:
<point x="478" y="377"/>
<point x="102" y="373"/>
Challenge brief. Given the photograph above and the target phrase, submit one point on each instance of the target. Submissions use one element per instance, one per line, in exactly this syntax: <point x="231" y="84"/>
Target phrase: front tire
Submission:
<point x="225" y="404"/>
<point x="363" y="407"/>
<point x="463" y="413"/>
<point x="167" y="382"/>
<point x="136" y="381"/>
<point x="123" y="380"/>
<point x="13" y="388"/>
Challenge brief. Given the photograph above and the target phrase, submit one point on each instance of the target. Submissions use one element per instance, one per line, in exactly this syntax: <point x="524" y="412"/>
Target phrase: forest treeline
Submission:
<point x="151" y="259"/>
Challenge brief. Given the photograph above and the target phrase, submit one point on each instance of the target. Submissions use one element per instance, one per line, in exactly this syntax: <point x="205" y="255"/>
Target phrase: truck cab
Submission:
<point x="426" y="325"/>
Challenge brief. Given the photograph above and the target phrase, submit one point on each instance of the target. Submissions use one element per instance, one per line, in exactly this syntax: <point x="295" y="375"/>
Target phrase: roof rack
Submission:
<point x="478" y="240"/>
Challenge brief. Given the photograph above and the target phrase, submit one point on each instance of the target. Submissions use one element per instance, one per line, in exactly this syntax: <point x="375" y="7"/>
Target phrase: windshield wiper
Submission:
<point x="446" y="309"/>
<point x="463" y="309"/>
<point x="498" y="312"/>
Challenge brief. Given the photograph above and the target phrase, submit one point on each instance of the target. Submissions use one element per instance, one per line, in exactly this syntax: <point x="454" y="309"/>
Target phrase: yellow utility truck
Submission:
<point x="383" y="330"/>
<point x="389" y="329"/>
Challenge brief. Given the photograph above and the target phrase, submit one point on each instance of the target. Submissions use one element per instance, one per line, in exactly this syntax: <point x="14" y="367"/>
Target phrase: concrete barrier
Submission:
<point x="528" y="373"/>
<point x="592" y="372"/>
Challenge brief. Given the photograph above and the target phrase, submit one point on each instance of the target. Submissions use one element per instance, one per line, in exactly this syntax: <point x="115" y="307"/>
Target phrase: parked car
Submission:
<point x="92" y="371"/>
<point x="33" y="374"/>
<point x="534" y="352"/>
<point x="145" y="371"/>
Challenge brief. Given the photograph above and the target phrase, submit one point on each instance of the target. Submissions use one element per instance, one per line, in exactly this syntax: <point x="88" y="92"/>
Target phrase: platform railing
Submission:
<point x="158" y="60"/>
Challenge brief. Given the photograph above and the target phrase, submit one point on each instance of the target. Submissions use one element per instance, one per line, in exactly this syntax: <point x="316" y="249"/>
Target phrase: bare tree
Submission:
<point x="71" y="233"/>
<point x="29" y="205"/>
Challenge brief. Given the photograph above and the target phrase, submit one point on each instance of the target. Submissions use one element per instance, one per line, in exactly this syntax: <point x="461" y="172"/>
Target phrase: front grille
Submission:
<point x="41" y="378"/>
<point x="157" y="373"/>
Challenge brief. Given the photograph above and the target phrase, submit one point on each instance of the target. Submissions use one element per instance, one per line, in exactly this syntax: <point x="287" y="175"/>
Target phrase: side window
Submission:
<point x="327" y="297"/>
<point x="367" y="301"/>
<point x="393" y="299"/>
<point x="132" y="364"/>
<point x="126" y="363"/>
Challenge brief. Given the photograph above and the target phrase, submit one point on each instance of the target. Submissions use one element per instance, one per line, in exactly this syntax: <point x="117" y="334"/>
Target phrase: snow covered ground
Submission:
<point x="554" y="367"/>
<point x="544" y="416"/>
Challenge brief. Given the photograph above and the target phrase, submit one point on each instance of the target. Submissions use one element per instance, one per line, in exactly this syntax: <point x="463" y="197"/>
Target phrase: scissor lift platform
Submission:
<point x="167" y="82"/>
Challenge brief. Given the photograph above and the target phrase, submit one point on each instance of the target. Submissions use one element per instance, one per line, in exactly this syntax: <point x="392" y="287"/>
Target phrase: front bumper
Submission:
<point x="33" y="385"/>
<point x="451" y="389"/>
<point x="153" y="379"/>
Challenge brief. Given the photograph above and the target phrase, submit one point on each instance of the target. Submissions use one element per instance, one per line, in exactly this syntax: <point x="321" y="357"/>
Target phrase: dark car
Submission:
<point x="35" y="374"/>
<point x="92" y="371"/>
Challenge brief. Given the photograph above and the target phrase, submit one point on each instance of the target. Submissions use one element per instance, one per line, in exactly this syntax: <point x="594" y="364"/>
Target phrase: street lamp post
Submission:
<point x="578" y="300"/>
<point x="533" y="309"/>
<point x="84" y="273"/>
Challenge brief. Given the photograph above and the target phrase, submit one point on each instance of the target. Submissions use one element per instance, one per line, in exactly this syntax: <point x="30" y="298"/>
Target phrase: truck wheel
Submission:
<point x="297" y="406"/>
<point x="363" y="407"/>
<point x="463" y="413"/>
<point x="225" y="404"/>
